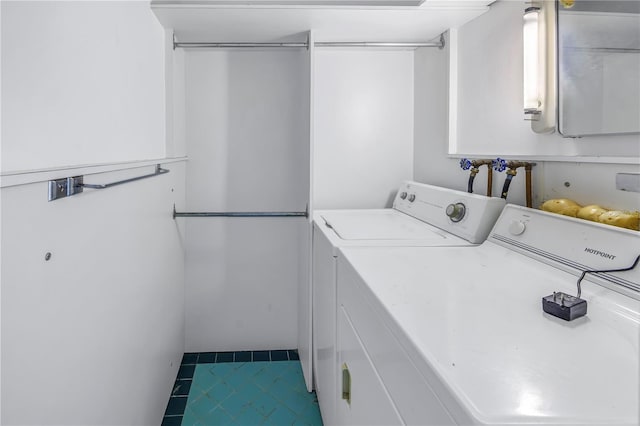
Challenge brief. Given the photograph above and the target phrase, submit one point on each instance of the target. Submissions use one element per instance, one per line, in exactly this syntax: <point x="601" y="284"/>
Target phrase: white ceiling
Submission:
<point x="214" y="22"/>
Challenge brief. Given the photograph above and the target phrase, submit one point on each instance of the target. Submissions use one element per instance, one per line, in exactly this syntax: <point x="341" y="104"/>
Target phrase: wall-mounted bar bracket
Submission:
<point x="65" y="187"/>
<point x="57" y="189"/>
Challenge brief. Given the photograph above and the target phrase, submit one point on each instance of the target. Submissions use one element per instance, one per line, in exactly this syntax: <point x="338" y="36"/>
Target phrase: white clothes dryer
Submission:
<point x="422" y="215"/>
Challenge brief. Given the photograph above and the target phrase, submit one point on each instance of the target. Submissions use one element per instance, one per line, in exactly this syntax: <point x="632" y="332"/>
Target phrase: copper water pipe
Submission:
<point x="527" y="171"/>
<point x="512" y="166"/>
<point x="476" y="164"/>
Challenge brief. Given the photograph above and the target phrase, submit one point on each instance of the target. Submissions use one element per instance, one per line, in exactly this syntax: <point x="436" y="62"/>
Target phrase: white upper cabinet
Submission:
<point x="349" y="20"/>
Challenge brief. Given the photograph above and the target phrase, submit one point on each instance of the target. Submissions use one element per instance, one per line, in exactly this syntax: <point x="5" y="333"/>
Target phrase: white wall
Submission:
<point x="363" y="126"/>
<point x="94" y="335"/>
<point x="589" y="183"/>
<point x="247" y="127"/>
<point x="432" y="162"/>
<point x="175" y="87"/>
<point x="499" y="73"/>
<point x="0" y="218"/>
<point x="83" y="83"/>
<point x="304" y="300"/>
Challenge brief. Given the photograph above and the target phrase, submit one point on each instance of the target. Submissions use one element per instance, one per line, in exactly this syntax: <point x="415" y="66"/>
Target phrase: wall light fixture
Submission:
<point x="539" y="65"/>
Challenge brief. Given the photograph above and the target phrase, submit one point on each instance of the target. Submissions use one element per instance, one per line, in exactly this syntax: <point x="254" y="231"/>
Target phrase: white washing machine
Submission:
<point x="422" y="215"/>
<point x="455" y="335"/>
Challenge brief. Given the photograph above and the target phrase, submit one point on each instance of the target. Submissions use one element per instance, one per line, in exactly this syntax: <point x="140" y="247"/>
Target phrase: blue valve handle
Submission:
<point x="465" y="163"/>
<point x="499" y="164"/>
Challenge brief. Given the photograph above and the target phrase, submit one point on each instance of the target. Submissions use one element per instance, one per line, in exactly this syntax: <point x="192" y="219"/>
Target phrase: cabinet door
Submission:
<point x="362" y="398"/>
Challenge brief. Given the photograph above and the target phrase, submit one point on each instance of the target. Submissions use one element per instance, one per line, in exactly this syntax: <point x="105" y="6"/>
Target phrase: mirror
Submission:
<point x="598" y="67"/>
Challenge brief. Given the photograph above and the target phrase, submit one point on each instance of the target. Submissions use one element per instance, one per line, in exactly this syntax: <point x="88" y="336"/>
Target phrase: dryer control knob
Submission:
<point x="516" y="227"/>
<point x="412" y="197"/>
<point x="403" y="195"/>
<point x="456" y="211"/>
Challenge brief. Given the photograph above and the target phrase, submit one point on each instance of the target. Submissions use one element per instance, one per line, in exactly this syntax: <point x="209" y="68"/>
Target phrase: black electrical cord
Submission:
<point x="635" y="263"/>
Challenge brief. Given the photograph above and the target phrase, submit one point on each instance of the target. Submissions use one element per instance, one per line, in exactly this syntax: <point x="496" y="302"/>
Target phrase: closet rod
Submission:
<point x="439" y="44"/>
<point x="196" y="44"/>
<point x="192" y="44"/>
<point x="238" y="214"/>
<point x="603" y="49"/>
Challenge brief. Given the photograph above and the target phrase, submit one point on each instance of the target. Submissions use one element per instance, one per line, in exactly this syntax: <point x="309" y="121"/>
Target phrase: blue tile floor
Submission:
<point x="241" y="388"/>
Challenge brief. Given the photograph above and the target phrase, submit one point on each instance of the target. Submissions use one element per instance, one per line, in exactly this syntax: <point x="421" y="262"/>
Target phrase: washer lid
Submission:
<point x="385" y="224"/>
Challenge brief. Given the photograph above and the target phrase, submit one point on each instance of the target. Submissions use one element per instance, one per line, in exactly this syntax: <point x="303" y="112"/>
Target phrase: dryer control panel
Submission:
<point x="468" y="216"/>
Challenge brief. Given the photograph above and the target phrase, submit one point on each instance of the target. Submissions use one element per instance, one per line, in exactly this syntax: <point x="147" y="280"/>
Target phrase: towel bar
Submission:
<point x="66" y="187"/>
<point x="159" y="171"/>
